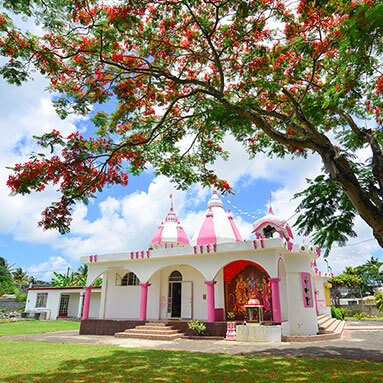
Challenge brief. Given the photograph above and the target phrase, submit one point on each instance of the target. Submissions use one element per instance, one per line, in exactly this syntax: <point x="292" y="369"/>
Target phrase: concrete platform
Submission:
<point x="251" y="333"/>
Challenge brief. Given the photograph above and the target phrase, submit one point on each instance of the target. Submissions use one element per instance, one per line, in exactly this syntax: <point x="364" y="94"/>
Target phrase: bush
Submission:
<point x="336" y="313"/>
<point x="198" y="327"/>
<point x="360" y="316"/>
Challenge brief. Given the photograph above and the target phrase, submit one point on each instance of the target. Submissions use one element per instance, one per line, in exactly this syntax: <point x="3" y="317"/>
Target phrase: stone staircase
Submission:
<point x="151" y="331"/>
<point x="328" y="328"/>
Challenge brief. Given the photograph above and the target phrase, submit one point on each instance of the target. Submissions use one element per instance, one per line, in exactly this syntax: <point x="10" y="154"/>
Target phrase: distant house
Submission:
<point x="54" y="302"/>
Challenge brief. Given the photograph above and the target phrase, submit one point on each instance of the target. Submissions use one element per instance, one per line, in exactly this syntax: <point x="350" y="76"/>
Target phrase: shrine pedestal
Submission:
<point x="251" y="333"/>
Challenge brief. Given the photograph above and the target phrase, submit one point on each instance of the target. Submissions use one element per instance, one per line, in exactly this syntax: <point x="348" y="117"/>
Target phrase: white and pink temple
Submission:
<point x="211" y="278"/>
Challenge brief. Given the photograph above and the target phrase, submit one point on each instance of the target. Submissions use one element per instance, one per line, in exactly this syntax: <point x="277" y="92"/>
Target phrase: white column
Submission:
<point x="80" y="303"/>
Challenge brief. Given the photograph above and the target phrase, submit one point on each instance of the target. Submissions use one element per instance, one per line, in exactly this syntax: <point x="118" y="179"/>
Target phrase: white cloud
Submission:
<point x="44" y="271"/>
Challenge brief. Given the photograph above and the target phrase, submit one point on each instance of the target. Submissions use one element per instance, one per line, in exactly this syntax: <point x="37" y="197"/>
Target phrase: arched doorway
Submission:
<point x="246" y="280"/>
<point x="175" y="294"/>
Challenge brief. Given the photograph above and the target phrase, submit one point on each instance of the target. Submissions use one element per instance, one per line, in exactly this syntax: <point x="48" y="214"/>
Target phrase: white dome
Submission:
<point x="217" y="226"/>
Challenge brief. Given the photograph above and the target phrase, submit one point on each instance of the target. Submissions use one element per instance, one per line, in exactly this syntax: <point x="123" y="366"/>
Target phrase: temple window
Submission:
<point x="129" y="279"/>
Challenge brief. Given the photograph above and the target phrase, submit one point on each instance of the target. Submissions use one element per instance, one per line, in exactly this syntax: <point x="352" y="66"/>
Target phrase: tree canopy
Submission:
<point x="284" y="79"/>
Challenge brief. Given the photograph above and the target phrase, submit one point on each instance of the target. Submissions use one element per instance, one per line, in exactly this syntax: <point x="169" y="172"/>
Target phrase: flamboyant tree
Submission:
<point x="285" y="79"/>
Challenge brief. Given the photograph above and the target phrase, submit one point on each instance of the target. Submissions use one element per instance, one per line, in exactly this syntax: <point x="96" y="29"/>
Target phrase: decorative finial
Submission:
<point x="270" y="208"/>
<point x="215" y="190"/>
<point x="171" y="202"/>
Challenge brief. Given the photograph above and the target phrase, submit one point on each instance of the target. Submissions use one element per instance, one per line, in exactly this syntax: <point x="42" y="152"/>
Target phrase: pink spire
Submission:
<point x="238" y="237"/>
<point x="207" y="235"/>
<point x="157" y="235"/>
<point x="181" y="236"/>
<point x="171" y="202"/>
<point x="270" y="208"/>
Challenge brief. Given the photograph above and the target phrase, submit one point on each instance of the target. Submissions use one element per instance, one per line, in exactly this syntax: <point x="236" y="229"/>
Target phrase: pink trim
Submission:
<point x="131" y="255"/>
<point x="307" y="295"/>
<point x="255" y="244"/>
<point x="147" y="253"/>
<point x="142" y="254"/>
<point x="201" y="249"/>
<point x="238" y="237"/>
<point x="207" y="232"/>
<point x="62" y="288"/>
<point x="181" y="236"/>
<point x="158" y="235"/>
<point x="195" y="249"/>
<point x="208" y="248"/>
<point x="259" y="236"/>
<point x="85" y="311"/>
<point x="215" y="248"/>
<point x="289" y="245"/>
<point x="281" y="232"/>
<point x="276" y="300"/>
<point x="144" y="300"/>
<point x="90" y="258"/>
<point x="317" y="250"/>
<point x="210" y="300"/>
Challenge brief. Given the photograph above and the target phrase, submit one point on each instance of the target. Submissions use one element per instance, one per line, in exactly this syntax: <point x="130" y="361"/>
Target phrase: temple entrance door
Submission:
<point x="175" y="295"/>
<point x="187" y="300"/>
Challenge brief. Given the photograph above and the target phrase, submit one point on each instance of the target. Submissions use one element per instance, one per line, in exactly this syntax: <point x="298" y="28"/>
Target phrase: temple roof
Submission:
<point x="270" y="223"/>
<point x="170" y="233"/>
<point x="217" y="226"/>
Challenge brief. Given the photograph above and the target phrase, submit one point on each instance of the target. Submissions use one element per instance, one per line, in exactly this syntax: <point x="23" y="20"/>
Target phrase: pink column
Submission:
<point x="210" y="300"/>
<point x="144" y="300"/>
<point x="276" y="300"/>
<point x="85" y="311"/>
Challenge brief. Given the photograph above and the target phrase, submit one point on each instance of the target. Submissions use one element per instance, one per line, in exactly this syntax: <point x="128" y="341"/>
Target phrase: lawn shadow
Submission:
<point x="136" y="365"/>
<point x="327" y="352"/>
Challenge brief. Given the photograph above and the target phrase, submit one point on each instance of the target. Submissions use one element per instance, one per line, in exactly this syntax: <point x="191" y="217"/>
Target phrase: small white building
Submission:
<point x="214" y="274"/>
<point x="53" y="302"/>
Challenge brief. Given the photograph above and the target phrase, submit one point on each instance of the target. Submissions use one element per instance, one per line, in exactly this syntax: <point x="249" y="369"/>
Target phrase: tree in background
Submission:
<point x="347" y="282"/>
<point x="369" y="275"/>
<point x="77" y="278"/>
<point x="20" y="276"/>
<point x="284" y="79"/>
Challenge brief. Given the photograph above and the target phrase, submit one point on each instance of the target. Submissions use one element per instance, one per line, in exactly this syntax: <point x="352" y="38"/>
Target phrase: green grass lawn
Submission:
<point x="55" y="363"/>
<point x="36" y="327"/>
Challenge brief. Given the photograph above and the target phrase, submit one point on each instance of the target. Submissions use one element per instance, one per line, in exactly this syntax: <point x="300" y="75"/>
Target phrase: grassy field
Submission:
<point x="36" y="327"/>
<point x="55" y="363"/>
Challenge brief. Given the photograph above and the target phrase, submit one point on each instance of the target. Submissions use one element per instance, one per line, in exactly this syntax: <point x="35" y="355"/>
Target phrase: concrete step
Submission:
<point x="153" y="327"/>
<point x="310" y="338"/>
<point x="163" y="324"/>
<point x="148" y="336"/>
<point x="334" y="325"/>
<point x="325" y="322"/>
<point x="154" y="332"/>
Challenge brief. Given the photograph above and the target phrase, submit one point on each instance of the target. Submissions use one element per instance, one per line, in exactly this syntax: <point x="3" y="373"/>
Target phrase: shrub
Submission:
<point x="336" y="313"/>
<point x="360" y="316"/>
<point x="198" y="327"/>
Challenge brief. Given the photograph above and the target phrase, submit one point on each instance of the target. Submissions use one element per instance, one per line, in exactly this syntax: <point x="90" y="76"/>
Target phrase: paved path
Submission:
<point x="353" y="345"/>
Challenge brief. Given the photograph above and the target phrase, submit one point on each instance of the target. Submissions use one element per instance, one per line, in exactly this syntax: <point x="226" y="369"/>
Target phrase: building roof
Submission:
<point x="170" y="233"/>
<point x="217" y="226"/>
<point x="271" y="223"/>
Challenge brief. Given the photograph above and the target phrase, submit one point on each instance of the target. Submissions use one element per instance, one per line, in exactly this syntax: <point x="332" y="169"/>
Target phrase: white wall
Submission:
<point x="319" y="288"/>
<point x="121" y="301"/>
<point x="302" y="320"/>
<point x="53" y="302"/>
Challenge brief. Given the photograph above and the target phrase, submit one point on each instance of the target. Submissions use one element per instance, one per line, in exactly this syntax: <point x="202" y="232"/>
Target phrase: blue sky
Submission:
<point x="125" y="219"/>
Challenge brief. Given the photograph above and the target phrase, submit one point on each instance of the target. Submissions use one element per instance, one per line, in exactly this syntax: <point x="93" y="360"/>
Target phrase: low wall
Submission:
<point x="11" y="305"/>
<point x="111" y="326"/>
<point x="370" y="310"/>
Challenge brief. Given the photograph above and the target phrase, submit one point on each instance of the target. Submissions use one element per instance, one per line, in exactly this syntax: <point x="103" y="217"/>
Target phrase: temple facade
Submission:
<point x="214" y="276"/>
